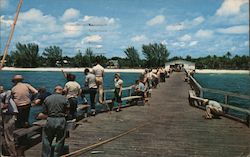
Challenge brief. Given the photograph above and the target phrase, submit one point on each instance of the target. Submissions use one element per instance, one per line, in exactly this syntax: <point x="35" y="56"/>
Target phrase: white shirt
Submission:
<point x="98" y="70"/>
<point x="118" y="83"/>
<point x="73" y="89"/>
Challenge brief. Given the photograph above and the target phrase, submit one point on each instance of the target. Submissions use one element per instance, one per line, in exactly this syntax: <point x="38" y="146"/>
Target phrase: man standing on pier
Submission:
<point x="56" y="107"/>
<point x="9" y="112"/>
<point x="72" y="90"/>
<point x="98" y="70"/>
<point x="91" y="89"/>
<point x="21" y="95"/>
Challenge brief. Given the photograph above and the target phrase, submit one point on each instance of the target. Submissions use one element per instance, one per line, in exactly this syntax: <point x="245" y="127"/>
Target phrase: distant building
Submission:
<point x="112" y="64"/>
<point x="180" y="63"/>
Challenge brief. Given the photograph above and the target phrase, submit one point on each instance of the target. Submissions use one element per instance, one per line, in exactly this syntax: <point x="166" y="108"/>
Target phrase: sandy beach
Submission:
<point x="70" y="69"/>
<point x="122" y="70"/>
<point x="222" y="71"/>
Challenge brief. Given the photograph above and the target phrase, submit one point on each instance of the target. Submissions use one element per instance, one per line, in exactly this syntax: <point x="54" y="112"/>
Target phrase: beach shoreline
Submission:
<point x="215" y="71"/>
<point x="121" y="70"/>
<point x="71" y="70"/>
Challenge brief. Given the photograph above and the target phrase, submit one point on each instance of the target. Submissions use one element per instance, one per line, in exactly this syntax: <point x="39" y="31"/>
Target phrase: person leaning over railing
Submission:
<point x="21" y="96"/>
<point x="213" y="109"/>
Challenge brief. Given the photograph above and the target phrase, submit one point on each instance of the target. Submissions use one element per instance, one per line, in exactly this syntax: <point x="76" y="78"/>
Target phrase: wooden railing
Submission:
<point x="199" y="96"/>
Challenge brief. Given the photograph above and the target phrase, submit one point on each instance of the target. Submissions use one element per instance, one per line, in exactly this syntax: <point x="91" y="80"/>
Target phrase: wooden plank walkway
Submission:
<point x="172" y="128"/>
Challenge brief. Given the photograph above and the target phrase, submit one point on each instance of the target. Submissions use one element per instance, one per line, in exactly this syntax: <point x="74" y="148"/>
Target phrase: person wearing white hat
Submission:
<point x="22" y="97"/>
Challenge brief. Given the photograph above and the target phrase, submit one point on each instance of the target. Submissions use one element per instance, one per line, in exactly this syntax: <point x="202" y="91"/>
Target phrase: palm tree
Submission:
<point x="228" y="54"/>
<point x="26" y="55"/>
<point x="52" y="54"/>
<point x="155" y="54"/>
<point x="133" y="57"/>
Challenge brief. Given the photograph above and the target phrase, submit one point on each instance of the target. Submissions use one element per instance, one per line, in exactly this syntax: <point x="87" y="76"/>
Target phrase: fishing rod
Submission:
<point x="11" y="33"/>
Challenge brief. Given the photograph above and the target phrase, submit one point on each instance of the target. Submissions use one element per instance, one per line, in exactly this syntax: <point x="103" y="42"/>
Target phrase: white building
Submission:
<point x="182" y="63"/>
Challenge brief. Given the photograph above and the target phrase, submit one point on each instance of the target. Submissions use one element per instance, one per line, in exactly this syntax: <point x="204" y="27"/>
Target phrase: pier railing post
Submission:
<point x="248" y="120"/>
<point x="226" y="99"/>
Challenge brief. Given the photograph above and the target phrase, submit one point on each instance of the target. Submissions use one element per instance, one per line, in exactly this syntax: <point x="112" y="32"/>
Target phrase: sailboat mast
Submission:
<point x="11" y="33"/>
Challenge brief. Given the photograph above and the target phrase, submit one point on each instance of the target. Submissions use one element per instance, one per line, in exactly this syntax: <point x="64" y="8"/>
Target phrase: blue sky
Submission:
<point x="187" y="27"/>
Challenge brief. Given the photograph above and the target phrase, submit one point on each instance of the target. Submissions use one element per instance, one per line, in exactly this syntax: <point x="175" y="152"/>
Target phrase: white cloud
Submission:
<point x="185" y="37"/>
<point x="4" y="4"/>
<point x="36" y="21"/>
<point x="139" y="38"/>
<point x="233" y="48"/>
<point x="175" y="27"/>
<point x="204" y="33"/>
<point x="159" y="19"/>
<point x="179" y="44"/>
<point x="198" y="20"/>
<point x="70" y="14"/>
<point x="230" y="7"/>
<point x="5" y="22"/>
<point x="92" y="38"/>
<point x="246" y="43"/>
<point x="164" y="42"/>
<point x="193" y="43"/>
<point x="242" y="29"/>
<point x="72" y="29"/>
<point x="98" y="21"/>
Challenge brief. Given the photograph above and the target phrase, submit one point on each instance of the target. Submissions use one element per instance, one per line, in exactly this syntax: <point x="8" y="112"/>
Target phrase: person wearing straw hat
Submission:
<point x="118" y="91"/>
<point x="22" y="97"/>
<point x="213" y="109"/>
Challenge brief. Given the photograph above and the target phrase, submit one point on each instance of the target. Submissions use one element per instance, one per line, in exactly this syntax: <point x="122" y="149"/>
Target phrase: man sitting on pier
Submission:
<point x="213" y="109"/>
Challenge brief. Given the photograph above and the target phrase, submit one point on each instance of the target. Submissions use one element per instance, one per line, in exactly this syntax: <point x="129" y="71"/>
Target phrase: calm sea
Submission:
<point x="50" y="79"/>
<point x="237" y="83"/>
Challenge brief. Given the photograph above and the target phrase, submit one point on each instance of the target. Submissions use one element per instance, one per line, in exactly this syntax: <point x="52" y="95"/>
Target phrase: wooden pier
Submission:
<point x="167" y="126"/>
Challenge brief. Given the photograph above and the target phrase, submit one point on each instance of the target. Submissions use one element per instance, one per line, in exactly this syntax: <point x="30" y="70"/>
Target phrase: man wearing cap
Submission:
<point x="55" y="109"/>
<point x="21" y="95"/>
<point x="98" y="70"/>
<point x="9" y="111"/>
<point x="213" y="109"/>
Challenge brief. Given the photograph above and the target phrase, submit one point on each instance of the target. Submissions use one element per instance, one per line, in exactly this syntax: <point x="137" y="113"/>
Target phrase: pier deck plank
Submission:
<point x="172" y="128"/>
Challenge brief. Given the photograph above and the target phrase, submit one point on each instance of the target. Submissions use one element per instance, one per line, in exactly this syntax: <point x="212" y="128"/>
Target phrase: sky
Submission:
<point x="187" y="27"/>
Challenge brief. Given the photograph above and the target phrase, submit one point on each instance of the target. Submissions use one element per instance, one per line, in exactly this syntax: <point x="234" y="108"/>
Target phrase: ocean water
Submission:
<point x="50" y="79"/>
<point x="237" y="83"/>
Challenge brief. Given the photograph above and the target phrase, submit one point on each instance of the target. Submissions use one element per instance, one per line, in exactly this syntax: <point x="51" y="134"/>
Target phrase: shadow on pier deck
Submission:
<point x="172" y="128"/>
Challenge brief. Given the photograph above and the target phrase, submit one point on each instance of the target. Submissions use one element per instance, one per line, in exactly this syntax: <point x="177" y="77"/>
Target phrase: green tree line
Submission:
<point x="154" y="55"/>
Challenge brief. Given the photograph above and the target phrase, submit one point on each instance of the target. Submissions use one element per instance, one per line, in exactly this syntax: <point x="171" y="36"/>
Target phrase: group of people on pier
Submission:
<point x="61" y="105"/>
